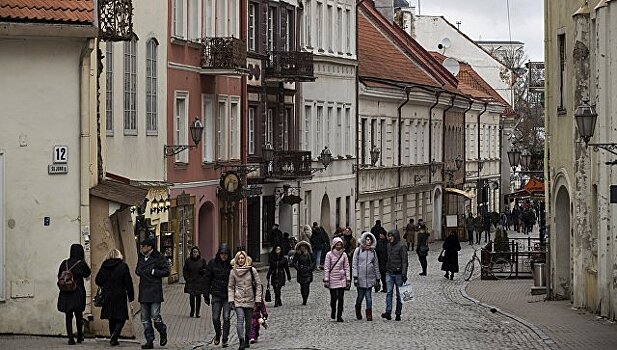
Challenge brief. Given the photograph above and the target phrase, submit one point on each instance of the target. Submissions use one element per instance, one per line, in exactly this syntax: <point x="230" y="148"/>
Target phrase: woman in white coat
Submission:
<point x="365" y="273"/>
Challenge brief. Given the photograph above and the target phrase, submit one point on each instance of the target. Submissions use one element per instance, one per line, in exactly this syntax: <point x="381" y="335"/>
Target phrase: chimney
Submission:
<point x="386" y="8"/>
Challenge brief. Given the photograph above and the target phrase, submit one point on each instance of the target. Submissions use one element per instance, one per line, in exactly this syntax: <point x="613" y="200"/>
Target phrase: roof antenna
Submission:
<point x="458" y="25"/>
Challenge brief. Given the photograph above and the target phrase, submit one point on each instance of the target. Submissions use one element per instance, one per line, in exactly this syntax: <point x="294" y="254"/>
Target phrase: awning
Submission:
<point x="119" y="192"/>
<point x="525" y="194"/>
<point x="467" y="194"/>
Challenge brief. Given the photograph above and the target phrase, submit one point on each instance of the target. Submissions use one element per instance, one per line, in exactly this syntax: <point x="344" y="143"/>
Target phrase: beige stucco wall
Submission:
<point x="39" y="95"/>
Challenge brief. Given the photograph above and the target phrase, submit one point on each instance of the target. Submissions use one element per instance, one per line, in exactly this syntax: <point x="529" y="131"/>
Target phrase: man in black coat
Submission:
<point x="318" y="241"/>
<point x="151" y="268"/>
<point x="217" y="279"/>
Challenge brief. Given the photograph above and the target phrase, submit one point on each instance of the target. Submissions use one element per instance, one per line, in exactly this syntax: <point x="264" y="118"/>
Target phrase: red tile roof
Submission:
<point x="47" y="11"/>
<point x="387" y="52"/>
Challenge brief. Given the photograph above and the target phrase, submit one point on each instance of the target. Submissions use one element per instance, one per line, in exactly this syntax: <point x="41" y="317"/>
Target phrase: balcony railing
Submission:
<point x="227" y="54"/>
<point x="115" y="20"/>
<point x="290" y="66"/>
<point x="291" y="164"/>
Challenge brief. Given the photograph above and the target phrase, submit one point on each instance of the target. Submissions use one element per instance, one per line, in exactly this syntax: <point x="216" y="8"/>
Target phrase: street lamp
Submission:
<point x="525" y="159"/>
<point x="514" y="157"/>
<point x="480" y="165"/>
<point x="375" y="151"/>
<point x="458" y="162"/>
<point x="433" y="167"/>
<point x="326" y="157"/>
<point x="586" y="118"/>
<point x="268" y="152"/>
<point x="196" y="130"/>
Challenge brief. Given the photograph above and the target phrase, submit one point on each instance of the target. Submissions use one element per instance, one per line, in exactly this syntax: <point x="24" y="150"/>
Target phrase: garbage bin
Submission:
<point x="539" y="275"/>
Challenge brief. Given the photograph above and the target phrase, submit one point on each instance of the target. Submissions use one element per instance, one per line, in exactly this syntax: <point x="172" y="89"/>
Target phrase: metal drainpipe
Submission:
<point x="400" y="119"/>
<point x="478" y="189"/>
<point x="430" y="132"/>
<point x="443" y="139"/>
<point x="358" y="126"/>
<point x="465" y="141"/>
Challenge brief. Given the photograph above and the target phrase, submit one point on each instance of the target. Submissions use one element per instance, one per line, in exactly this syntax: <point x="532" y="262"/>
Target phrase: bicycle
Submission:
<point x="499" y="268"/>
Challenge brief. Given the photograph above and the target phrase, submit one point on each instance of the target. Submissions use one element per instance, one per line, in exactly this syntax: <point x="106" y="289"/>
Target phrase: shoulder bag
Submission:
<point x="441" y="257"/>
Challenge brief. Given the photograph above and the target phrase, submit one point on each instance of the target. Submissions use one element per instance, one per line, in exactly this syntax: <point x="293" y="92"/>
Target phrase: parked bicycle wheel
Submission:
<point x="501" y="269"/>
<point x="469" y="268"/>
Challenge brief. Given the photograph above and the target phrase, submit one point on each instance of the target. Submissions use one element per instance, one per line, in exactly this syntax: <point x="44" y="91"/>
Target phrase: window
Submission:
<point x="208" y="11"/>
<point x="348" y="210"/>
<point x="339" y="129"/>
<point x="318" y="135"/>
<point x="286" y="126"/>
<point x="252" y="25"/>
<point x="288" y="32"/>
<point x="221" y="145"/>
<point x="151" y="87"/>
<point x="339" y="29"/>
<point x="319" y="28"/>
<point x="307" y="22"/>
<point x="329" y="23"/>
<point x="348" y="30"/>
<point x="349" y="131"/>
<point x="130" y="87"/>
<point x="561" y="39"/>
<point x="364" y="139"/>
<point x="109" y="89"/>
<point x="194" y="20"/>
<point x="307" y="206"/>
<point x="382" y="140"/>
<point x="270" y="126"/>
<point x="208" y="136"/>
<point x="337" y="213"/>
<point x="180" y="125"/>
<point x="271" y="21"/>
<point x="306" y="139"/>
<point x="234" y="129"/>
<point x="179" y="18"/>
<point x="233" y="27"/>
<point x="251" y="130"/>
<point x="328" y="127"/>
<point x="221" y="18"/>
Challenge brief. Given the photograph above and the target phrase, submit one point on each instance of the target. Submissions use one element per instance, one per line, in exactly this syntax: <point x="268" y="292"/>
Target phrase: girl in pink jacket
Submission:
<point x="336" y="277"/>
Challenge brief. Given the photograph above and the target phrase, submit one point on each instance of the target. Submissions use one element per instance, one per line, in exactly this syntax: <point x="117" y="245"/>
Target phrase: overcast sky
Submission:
<point x="488" y="20"/>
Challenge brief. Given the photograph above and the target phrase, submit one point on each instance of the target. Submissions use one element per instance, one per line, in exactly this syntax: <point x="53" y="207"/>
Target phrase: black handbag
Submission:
<point x="441" y="256"/>
<point x="98" y="299"/>
<point x="268" y="297"/>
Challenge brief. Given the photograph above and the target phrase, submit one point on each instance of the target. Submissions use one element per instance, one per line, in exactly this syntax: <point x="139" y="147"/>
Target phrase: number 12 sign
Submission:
<point x="61" y="154"/>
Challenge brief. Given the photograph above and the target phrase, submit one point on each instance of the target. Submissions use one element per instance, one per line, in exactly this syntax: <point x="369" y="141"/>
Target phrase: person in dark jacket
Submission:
<point x="114" y="279"/>
<point x="422" y="248"/>
<point x="317" y="243"/>
<point x="396" y="274"/>
<point x="73" y="303"/>
<point x="378" y="229"/>
<point x="382" y="256"/>
<point x="276" y="273"/>
<point x="276" y="236"/>
<point x="469" y="226"/>
<point x="195" y="283"/>
<point x="151" y="268"/>
<point x="451" y="247"/>
<point x="217" y="277"/>
<point x="304" y="264"/>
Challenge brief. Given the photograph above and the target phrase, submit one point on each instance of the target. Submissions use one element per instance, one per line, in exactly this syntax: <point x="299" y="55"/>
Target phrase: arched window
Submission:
<point x="151" y="87"/>
<point x="130" y="87"/>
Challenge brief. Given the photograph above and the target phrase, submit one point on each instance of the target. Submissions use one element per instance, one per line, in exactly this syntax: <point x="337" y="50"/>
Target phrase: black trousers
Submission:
<point x="195" y="302"/>
<point x="305" y="289"/>
<point x="336" y="301"/>
<point x="423" y="263"/>
<point x="470" y="236"/>
<point x="79" y="320"/>
<point x="383" y="279"/>
<point x="115" y="328"/>
<point x="277" y="294"/>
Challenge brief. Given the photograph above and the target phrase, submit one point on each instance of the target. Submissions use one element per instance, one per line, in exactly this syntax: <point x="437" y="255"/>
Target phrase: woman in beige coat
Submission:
<point x="243" y="290"/>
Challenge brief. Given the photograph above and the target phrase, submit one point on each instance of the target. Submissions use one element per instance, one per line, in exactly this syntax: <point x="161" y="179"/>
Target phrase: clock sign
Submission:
<point x="230" y="186"/>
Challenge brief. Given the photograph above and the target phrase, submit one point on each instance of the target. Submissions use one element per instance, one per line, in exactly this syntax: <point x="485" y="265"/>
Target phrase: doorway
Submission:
<point x="437" y="220"/>
<point x="325" y="214"/>
<point x="206" y="230"/>
<point x="253" y="241"/>
<point x="563" y="268"/>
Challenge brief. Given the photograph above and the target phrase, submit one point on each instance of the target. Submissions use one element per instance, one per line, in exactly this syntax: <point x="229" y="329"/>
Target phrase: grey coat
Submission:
<point x="365" y="264"/>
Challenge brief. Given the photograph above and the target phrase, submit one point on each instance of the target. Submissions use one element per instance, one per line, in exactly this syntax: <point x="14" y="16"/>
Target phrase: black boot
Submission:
<point x="148" y="345"/>
<point x="386" y="315"/>
<point x="358" y="311"/>
<point x="241" y="344"/>
<point x="333" y="314"/>
<point x="197" y="307"/>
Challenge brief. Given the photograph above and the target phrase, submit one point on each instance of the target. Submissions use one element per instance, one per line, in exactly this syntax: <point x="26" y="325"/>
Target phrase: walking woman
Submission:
<point x="365" y="273"/>
<point x="116" y="284"/>
<point x="451" y="247"/>
<point x="305" y="264"/>
<point x="243" y="290"/>
<point x="279" y="267"/>
<point x="194" y="271"/>
<point x="73" y="303"/>
<point x="336" y="277"/>
<point x="422" y="248"/>
<point x="382" y="256"/>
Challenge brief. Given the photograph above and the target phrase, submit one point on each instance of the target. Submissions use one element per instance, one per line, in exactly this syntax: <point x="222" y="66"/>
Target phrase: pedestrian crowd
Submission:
<point x="377" y="261"/>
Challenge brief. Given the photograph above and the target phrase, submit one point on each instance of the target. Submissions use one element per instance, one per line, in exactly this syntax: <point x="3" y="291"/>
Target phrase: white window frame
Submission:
<point x="207" y="113"/>
<point x="233" y="22"/>
<point x="195" y="18"/>
<point x="222" y="150"/>
<point x="308" y="11"/>
<point x="339" y="132"/>
<point x="339" y="29"/>
<point x="109" y="89"/>
<point x="152" y="87"/>
<point x="252" y="26"/>
<point x="287" y="117"/>
<point x="319" y="15"/>
<point x="330" y="24"/>
<point x="234" y="127"/>
<point x="349" y="130"/>
<point x="270" y="126"/>
<point x="251" y="129"/>
<point x="220" y="26"/>
<point x="209" y="18"/>
<point x="308" y="117"/>
<point x="270" y="29"/>
<point x="180" y="126"/>
<point x="179" y="16"/>
<point x="348" y="29"/>
<point x="130" y="82"/>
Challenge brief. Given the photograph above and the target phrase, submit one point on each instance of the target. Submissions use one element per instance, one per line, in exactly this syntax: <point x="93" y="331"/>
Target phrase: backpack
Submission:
<point x="66" y="281"/>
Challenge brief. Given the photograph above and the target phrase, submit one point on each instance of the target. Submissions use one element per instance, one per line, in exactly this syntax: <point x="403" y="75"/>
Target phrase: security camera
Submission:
<point x="440" y="46"/>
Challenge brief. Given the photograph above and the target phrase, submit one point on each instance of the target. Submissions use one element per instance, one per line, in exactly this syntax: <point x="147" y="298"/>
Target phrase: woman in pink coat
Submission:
<point x="336" y="277"/>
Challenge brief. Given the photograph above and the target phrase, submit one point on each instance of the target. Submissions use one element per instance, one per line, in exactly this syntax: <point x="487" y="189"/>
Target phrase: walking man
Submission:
<point x="469" y="227"/>
<point x="396" y="274"/>
<point x="410" y="234"/>
<point x="317" y="242"/>
<point x="217" y="278"/>
<point x="151" y="268"/>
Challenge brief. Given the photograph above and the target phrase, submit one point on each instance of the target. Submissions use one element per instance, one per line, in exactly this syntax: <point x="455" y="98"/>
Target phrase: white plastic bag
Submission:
<point x="407" y="294"/>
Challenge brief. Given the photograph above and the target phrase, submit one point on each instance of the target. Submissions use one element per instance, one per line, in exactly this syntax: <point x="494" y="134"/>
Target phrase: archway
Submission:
<point x="285" y="218"/>
<point x="206" y="230"/>
<point x="325" y="214"/>
<point x="563" y="268"/>
<point x="437" y="206"/>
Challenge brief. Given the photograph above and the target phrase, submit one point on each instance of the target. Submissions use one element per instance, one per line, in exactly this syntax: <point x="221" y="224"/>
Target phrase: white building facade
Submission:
<point x="328" y="113"/>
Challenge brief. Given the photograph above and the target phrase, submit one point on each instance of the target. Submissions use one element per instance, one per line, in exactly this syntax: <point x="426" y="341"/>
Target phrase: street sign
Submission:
<point x="55" y="169"/>
<point x="60" y="155"/>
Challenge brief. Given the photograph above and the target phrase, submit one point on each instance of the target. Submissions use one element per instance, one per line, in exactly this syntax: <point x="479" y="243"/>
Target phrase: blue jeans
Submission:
<point x="393" y="280"/>
<point x="243" y="322"/>
<point x="365" y="293"/>
<point x="317" y="257"/>
<point x="152" y="312"/>
<point x="218" y="305"/>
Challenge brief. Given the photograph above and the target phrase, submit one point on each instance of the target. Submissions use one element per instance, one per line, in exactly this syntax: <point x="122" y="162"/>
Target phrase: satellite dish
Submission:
<point x="452" y="65"/>
<point x="445" y="44"/>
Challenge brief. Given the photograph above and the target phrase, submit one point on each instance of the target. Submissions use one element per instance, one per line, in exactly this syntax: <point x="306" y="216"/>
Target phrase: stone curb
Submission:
<point x="543" y="336"/>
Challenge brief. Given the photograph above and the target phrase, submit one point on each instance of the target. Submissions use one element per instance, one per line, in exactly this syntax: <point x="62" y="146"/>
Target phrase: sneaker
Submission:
<point x="252" y="341"/>
<point x="71" y="341"/>
<point x="114" y="342"/>
<point x="339" y="319"/>
<point x="225" y="342"/>
<point x="148" y="345"/>
<point x="397" y="318"/>
<point x="217" y="339"/>
<point x="386" y="315"/>
<point x="163" y="341"/>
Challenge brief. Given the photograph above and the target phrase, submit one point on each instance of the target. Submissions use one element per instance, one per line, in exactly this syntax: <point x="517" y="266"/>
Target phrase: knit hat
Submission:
<point x="149" y="241"/>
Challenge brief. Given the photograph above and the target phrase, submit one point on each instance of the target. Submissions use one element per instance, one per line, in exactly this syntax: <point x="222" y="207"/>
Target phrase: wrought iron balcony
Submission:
<point x="224" y="54"/>
<point x="115" y="20"/>
<point x="290" y="66"/>
<point x="291" y="164"/>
